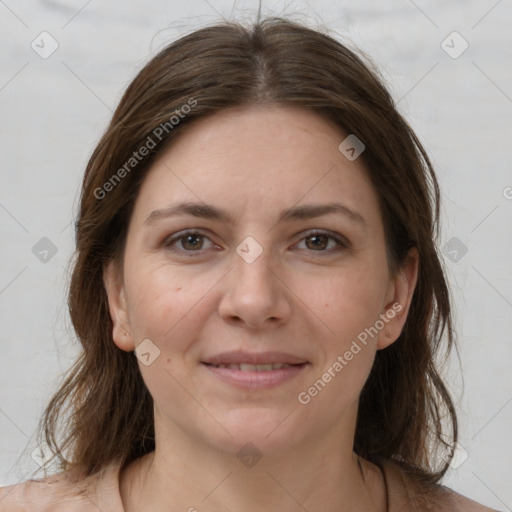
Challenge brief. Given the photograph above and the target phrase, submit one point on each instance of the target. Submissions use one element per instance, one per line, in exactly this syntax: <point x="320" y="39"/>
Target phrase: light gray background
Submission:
<point x="54" y="110"/>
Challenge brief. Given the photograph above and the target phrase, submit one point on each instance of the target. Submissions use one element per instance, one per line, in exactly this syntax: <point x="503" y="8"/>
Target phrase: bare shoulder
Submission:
<point x="67" y="491"/>
<point x="407" y="494"/>
<point x="42" y="495"/>
<point x="464" y="504"/>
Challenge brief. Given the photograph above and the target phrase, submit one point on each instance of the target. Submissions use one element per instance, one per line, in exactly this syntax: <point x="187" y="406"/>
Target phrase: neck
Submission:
<point x="188" y="475"/>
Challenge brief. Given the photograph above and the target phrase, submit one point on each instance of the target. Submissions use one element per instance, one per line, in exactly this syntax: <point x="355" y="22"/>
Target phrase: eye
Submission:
<point x="319" y="241"/>
<point x="187" y="242"/>
<point x="190" y="242"/>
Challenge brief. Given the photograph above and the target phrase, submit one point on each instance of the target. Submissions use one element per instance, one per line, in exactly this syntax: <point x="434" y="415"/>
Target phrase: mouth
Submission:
<point x="246" y="367"/>
<point x="255" y="371"/>
<point x="254" y="358"/>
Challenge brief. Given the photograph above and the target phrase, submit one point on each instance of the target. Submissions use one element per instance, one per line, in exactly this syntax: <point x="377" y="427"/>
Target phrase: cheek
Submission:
<point x="348" y="300"/>
<point x="349" y="306"/>
<point x="167" y="307"/>
<point x="165" y="303"/>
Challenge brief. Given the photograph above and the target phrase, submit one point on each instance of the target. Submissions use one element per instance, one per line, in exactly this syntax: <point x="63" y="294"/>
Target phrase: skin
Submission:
<point x="306" y="299"/>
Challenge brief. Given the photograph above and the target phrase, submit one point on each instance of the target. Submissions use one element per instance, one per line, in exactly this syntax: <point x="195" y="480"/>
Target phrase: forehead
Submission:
<point x="258" y="159"/>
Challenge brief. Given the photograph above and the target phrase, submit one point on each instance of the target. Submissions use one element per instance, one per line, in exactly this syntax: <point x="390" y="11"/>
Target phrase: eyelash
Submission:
<point x="341" y="241"/>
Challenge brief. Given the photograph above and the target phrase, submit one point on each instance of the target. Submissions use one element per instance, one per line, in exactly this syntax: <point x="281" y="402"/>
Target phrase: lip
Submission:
<point x="243" y="357"/>
<point x="255" y="380"/>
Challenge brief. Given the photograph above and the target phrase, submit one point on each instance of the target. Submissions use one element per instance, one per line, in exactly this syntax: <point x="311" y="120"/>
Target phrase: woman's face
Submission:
<point x="236" y="256"/>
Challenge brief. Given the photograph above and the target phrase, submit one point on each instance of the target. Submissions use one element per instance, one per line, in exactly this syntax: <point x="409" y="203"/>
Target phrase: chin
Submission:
<point x="266" y="430"/>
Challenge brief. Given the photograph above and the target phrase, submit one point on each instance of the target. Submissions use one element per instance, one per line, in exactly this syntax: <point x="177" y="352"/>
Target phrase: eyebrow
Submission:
<point x="207" y="211"/>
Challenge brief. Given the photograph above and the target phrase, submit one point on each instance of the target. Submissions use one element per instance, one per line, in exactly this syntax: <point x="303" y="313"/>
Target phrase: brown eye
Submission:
<point x="187" y="243"/>
<point x="317" y="242"/>
<point x="324" y="242"/>
<point x="191" y="242"/>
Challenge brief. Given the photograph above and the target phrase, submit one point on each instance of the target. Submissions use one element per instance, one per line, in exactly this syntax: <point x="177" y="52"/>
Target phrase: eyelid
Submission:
<point x="343" y="242"/>
<point x="176" y="237"/>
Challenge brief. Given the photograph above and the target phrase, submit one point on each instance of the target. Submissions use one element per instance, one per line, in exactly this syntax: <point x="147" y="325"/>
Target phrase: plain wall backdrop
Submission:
<point x="64" y="67"/>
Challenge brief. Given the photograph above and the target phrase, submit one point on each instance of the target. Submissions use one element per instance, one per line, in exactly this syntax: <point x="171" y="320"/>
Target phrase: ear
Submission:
<point x="113" y="282"/>
<point x="398" y="300"/>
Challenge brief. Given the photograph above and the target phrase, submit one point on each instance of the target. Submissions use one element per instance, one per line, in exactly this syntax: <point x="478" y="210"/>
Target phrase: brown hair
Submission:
<point x="404" y="402"/>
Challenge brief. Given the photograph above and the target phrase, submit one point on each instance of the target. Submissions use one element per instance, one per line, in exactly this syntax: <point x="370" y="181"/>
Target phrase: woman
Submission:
<point x="257" y="291"/>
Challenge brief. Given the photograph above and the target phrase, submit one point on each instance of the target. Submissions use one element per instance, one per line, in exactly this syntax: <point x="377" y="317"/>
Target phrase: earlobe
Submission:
<point x="121" y="331"/>
<point x="397" y="308"/>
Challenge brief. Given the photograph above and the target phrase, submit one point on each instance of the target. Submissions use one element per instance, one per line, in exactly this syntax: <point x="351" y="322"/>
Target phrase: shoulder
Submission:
<point x="463" y="504"/>
<point x="65" y="492"/>
<point x="405" y="495"/>
<point x="55" y="493"/>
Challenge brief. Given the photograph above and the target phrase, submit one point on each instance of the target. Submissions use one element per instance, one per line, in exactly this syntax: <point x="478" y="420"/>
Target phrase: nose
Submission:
<point x="255" y="294"/>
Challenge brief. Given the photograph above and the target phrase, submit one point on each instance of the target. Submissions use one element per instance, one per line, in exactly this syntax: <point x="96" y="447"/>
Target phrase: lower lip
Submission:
<point x="254" y="379"/>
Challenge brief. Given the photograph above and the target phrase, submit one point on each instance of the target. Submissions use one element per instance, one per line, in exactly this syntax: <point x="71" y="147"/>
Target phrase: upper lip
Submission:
<point x="241" y="357"/>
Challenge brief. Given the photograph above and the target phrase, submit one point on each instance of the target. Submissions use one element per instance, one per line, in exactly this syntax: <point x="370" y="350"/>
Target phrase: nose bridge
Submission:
<point x="254" y="293"/>
<point x="252" y="268"/>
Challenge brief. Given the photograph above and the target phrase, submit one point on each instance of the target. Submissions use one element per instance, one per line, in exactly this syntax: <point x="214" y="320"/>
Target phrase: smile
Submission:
<point x="254" y="367"/>
<point x="255" y="376"/>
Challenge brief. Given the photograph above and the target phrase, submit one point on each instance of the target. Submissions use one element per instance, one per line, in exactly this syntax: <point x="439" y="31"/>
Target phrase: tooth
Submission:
<point x="248" y="367"/>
